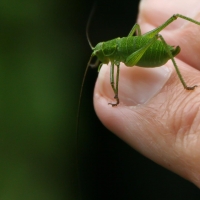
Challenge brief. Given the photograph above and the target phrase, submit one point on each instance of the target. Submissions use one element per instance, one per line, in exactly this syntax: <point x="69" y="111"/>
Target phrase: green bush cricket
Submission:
<point x="147" y="50"/>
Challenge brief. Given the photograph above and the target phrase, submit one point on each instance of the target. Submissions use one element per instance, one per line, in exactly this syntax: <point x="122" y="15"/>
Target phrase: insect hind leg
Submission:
<point x="174" y="17"/>
<point x="175" y="65"/>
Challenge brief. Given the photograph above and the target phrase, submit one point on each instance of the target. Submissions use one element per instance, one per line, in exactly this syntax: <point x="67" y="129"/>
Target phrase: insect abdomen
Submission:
<point x="155" y="55"/>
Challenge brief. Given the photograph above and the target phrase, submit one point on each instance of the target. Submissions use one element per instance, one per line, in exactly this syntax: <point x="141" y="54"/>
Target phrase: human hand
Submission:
<point x="156" y="115"/>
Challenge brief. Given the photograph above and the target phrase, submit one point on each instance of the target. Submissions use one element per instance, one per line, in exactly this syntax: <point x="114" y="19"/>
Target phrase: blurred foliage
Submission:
<point x="39" y="45"/>
<point x="43" y="53"/>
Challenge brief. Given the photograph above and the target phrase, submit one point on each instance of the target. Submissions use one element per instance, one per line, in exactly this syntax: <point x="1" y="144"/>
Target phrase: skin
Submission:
<point x="156" y="116"/>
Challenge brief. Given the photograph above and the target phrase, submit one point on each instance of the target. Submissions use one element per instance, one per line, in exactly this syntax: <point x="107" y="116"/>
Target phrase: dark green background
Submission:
<point x="43" y="54"/>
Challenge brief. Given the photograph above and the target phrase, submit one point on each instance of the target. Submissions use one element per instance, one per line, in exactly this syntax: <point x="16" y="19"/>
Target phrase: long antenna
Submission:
<point x="86" y="70"/>
<point x="80" y="96"/>
<point x="88" y="24"/>
<point x="81" y="91"/>
<point x="77" y="120"/>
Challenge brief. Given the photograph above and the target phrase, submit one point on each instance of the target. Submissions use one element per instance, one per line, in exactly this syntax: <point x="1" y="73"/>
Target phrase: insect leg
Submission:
<point x="175" y="65"/>
<point x="188" y="19"/>
<point x="155" y="31"/>
<point x="136" y="27"/>
<point x="161" y="27"/>
<point x="114" y="86"/>
<point x="137" y="55"/>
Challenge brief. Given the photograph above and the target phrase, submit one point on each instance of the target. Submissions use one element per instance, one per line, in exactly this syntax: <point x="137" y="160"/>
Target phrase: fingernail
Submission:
<point x="142" y="84"/>
<point x="136" y="85"/>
